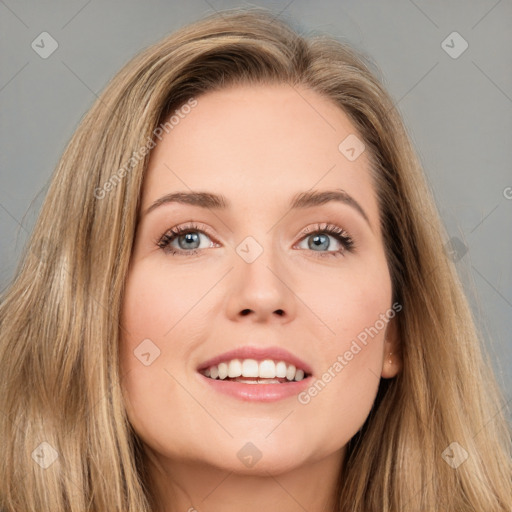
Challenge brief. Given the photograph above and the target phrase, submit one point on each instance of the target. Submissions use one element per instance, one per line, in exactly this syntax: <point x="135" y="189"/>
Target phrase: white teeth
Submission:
<point x="234" y="368"/>
<point x="290" y="372"/>
<point x="262" y="371"/>
<point x="267" y="369"/>
<point x="281" y="369"/>
<point x="223" y="370"/>
<point x="250" y="368"/>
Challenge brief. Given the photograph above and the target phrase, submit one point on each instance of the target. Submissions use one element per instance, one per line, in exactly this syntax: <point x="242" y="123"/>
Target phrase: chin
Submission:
<point x="260" y="456"/>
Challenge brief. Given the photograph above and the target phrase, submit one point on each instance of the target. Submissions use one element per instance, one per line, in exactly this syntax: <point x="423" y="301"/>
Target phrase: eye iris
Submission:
<point x="319" y="241"/>
<point x="189" y="237"/>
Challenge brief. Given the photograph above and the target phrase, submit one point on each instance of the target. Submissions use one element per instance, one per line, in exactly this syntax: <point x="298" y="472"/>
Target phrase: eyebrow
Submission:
<point x="301" y="200"/>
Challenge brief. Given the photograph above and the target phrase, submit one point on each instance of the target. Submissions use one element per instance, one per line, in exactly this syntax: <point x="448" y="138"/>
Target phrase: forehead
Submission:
<point x="256" y="144"/>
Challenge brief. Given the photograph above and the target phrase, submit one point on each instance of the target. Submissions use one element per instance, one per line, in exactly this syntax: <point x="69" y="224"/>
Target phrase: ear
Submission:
<point x="392" y="358"/>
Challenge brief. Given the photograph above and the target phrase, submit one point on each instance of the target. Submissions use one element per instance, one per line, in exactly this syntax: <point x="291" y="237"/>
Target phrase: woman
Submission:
<point x="236" y="294"/>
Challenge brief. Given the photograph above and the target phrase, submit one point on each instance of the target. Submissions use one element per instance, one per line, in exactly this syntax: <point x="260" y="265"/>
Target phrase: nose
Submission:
<point x="261" y="290"/>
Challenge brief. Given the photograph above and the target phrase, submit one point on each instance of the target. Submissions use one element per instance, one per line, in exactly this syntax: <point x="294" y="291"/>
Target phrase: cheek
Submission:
<point x="145" y="299"/>
<point x="157" y="306"/>
<point x="153" y="316"/>
<point x="156" y="300"/>
<point x="346" y="387"/>
<point x="351" y="302"/>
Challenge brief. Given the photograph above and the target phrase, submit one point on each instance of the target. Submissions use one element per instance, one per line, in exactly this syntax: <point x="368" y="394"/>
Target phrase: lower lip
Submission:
<point x="257" y="392"/>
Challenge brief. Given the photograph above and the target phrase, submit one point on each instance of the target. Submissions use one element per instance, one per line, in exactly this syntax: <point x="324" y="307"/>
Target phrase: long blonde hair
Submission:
<point x="66" y="441"/>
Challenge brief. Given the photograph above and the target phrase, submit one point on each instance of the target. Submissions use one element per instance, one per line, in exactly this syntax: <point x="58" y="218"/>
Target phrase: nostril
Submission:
<point x="245" y="312"/>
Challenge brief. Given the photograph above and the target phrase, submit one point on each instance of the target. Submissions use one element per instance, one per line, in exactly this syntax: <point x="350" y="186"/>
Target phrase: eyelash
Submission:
<point x="340" y="234"/>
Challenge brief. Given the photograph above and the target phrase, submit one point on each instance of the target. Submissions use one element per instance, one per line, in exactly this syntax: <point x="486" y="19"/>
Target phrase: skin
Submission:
<point x="258" y="146"/>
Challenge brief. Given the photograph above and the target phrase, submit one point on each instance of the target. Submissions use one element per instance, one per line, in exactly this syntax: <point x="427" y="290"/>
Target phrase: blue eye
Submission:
<point x="188" y="239"/>
<point x="319" y="240"/>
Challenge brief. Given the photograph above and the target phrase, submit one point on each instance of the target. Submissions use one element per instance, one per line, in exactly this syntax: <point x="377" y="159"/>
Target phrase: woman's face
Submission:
<point x="253" y="270"/>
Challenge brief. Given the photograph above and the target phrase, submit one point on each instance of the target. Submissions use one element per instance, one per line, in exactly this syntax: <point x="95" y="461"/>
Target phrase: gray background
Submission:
<point x="458" y="111"/>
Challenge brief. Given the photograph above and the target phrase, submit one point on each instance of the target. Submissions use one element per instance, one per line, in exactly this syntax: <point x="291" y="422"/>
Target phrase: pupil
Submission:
<point x="191" y="237"/>
<point x="318" y="242"/>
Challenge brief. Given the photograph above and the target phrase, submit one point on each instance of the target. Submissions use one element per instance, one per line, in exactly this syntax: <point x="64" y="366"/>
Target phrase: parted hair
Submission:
<point x="61" y="398"/>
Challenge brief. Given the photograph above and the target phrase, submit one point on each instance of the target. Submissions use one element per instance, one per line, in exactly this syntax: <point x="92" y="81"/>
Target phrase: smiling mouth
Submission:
<point x="252" y="371"/>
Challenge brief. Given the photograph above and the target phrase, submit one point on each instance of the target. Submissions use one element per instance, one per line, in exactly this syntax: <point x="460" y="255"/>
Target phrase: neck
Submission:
<point x="195" y="486"/>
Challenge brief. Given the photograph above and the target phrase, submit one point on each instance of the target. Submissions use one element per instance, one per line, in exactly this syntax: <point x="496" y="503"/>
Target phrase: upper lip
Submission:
<point x="258" y="353"/>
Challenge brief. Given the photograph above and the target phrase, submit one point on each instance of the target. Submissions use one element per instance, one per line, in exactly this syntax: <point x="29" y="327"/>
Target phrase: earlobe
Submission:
<point x="392" y="360"/>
